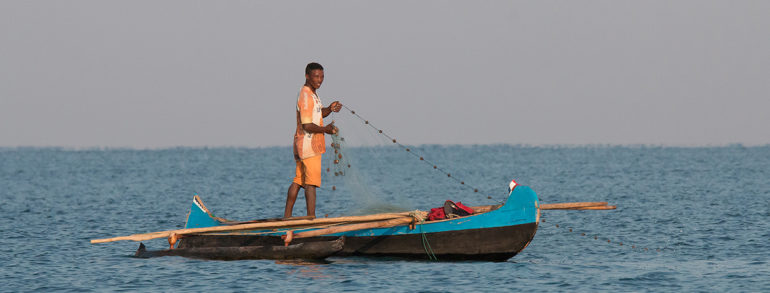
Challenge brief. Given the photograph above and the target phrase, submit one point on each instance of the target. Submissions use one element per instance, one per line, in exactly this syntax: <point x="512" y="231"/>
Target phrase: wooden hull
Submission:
<point x="311" y="250"/>
<point x="489" y="244"/>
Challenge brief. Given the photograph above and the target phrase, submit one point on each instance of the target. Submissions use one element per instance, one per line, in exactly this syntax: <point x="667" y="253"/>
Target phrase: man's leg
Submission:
<point x="313" y="180"/>
<point x="310" y="198"/>
<point x="296" y="184"/>
<point x="291" y="197"/>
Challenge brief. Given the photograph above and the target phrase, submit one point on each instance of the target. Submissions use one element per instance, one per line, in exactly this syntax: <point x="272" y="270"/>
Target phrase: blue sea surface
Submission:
<point x="688" y="218"/>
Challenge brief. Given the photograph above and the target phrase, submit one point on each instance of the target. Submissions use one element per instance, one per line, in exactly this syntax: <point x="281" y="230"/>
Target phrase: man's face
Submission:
<point x="315" y="78"/>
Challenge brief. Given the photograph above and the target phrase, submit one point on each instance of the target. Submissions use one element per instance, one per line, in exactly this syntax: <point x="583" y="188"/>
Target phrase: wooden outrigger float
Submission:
<point x="493" y="233"/>
<point x="304" y="251"/>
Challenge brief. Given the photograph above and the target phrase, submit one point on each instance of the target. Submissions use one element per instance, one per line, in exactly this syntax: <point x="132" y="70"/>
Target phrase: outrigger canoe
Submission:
<point x="492" y="233"/>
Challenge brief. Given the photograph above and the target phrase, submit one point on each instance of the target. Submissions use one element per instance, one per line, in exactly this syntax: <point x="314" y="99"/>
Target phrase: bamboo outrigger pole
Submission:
<point x="251" y="226"/>
<point x="595" y="208"/>
<point x="602" y="205"/>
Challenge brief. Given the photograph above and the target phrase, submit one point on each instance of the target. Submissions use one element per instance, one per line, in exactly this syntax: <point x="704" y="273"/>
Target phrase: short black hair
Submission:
<point x="312" y="66"/>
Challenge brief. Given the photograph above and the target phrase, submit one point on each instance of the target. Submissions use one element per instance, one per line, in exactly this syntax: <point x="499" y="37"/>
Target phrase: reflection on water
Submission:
<point x="302" y="262"/>
<point x="312" y="269"/>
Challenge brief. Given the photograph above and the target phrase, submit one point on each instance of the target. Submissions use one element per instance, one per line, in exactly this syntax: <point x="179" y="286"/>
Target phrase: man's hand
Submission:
<point x="331" y="129"/>
<point x="335" y="106"/>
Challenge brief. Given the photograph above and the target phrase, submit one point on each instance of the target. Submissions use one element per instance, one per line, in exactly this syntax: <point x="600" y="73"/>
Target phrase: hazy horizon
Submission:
<point x="288" y="147"/>
<point x="156" y="75"/>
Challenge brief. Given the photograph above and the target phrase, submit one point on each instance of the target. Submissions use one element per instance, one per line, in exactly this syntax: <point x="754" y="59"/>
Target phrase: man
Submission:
<point x="309" y="143"/>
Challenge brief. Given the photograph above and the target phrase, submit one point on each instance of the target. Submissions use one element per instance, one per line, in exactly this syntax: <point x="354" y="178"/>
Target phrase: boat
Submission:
<point x="316" y="250"/>
<point x="491" y="233"/>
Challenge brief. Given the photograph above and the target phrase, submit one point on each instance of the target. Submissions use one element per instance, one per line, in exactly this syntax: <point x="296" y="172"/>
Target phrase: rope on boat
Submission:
<point x="425" y="243"/>
<point x="408" y="150"/>
<point x="418" y="215"/>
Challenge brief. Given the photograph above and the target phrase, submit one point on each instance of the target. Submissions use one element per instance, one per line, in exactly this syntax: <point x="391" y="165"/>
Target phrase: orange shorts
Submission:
<point x="309" y="171"/>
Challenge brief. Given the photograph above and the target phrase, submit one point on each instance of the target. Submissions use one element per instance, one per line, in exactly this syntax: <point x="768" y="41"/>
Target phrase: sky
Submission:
<point x="157" y="74"/>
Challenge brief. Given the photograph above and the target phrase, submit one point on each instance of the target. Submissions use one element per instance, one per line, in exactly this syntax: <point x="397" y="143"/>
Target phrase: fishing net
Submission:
<point x="358" y="169"/>
<point x="373" y="172"/>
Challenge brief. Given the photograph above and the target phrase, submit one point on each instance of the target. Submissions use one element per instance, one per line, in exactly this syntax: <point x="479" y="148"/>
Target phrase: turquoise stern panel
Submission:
<point x="198" y="218"/>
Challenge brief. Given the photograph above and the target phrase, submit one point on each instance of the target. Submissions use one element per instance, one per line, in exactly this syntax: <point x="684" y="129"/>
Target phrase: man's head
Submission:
<point x="314" y="75"/>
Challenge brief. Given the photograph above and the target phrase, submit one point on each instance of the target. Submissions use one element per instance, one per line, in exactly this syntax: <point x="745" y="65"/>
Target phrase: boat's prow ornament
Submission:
<point x="511" y="186"/>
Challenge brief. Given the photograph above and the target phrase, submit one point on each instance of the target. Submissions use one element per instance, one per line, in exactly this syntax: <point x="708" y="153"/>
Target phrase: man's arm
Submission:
<point x="312" y="128"/>
<point x="334" y="106"/>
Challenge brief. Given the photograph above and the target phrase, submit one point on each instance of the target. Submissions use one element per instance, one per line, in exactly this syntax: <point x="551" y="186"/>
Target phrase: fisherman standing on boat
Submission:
<point x="309" y="143"/>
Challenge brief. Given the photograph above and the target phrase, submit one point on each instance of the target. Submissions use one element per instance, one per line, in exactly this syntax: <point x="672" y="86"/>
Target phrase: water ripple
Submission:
<point x="701" y="212"/>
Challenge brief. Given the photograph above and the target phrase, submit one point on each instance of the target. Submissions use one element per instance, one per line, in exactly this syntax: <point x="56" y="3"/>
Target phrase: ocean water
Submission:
<point x="689" y="219"/>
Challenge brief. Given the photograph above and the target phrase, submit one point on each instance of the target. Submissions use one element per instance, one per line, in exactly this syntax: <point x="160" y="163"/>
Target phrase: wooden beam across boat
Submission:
<point x="263" y="225"/>
<point x="228" y="222"/>
<point x="347" y="228"/>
